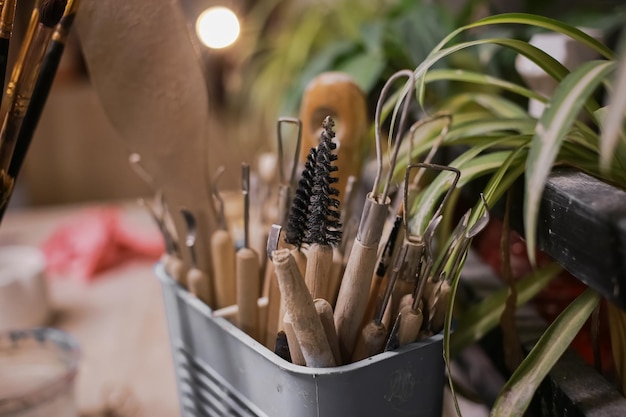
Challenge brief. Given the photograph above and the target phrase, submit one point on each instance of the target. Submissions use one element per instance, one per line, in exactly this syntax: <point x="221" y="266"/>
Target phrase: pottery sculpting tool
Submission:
<point x="323" y="230"/>
<point x="337" y="95"/>
<point x="7" y="15"/>
<point x="325" y="313"/>
<point x="285" y="195"/>
<point x="223" y="253"/>
<point x="172" y="258"/>
<point x="248" y="268"/>
<point x="300" y="310"/>
<point x="356" y="282"/>
<point x="20" y="89"/>
<point x="42" y="86"/>
<point x="198" y="281"/>
<point x="371" y="340"/>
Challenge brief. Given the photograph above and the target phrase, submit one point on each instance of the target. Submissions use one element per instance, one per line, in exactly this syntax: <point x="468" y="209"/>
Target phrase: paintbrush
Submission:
<point x="7" y="15"/>
<point x="323" y="229"/>
<point x="20" y="89"/>
<point x="42" y="86"/>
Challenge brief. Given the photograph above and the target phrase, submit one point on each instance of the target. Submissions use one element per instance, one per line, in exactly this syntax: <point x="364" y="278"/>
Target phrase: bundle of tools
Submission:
<point x="31" y="79"/>
<point x="325" y="294"/>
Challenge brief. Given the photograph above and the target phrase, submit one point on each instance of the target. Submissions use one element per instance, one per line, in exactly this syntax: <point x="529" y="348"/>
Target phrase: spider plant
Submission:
<point x="503" y="143"/>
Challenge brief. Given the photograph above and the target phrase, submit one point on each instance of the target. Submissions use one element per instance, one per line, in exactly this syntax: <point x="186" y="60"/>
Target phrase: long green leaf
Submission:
<point x="557" y="119"/>
<point x="483" y="317"/>
<point x="520" y="388"/>
<point x="613" y="126"/>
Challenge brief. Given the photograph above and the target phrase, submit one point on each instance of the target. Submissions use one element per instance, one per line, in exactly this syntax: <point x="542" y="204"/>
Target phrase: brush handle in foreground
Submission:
<point x="248" y="291"/>
<point x="371" y="341"/>
<point x="410" y="325"/>
<point x="297" y="358"/>
<point x="298" y="303"/>
<point x="318" y="269"/>
<point x="353" y="296"/>
<point x="223" y="254"/>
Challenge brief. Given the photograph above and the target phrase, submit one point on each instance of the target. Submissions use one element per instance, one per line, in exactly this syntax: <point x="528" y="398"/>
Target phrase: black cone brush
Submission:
<point x="323" y="228"/>
<point x="296" y="221"/>
<point x="20" y="89"/>
<point x="42" y="87"/>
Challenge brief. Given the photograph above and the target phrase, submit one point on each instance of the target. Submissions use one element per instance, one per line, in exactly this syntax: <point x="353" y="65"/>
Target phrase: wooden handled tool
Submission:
<point x="298" y="304"/>
<point x="297" y="358"/>
<point x="197" y="280"/>
<point x="371" y="340"/>
<point x="337" y="95"/>
<point x="355" y="286"/>
<point x="248" y="269"/>
<point x="325" y="313"/>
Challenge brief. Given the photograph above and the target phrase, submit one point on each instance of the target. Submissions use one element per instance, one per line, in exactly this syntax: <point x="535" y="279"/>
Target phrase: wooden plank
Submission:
<point x="582" y="225"/>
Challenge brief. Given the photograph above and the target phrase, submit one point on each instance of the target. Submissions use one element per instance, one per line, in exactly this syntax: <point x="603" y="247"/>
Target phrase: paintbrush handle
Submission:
<point x="248" y="291"/>
<point x="318" y="267"/>
<point x="273" y="321"/>
<point x="353" y="296"/>
<point x="298" y="303"/>
<point x="325" y="313"/>
<point x="223" y="255"/>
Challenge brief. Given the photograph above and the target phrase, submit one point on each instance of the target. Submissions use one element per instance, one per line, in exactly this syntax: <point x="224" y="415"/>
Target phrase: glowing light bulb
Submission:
<point x="218" y="27"/>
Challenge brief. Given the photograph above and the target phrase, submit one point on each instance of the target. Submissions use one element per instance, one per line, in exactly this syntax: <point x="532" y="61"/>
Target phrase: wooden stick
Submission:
<point x="300" y="255"/>
<point x="298" y="303"/>
<point x="325" y="312"/>
<point x="297" y="358"/>
<point x="318" y="267"/>
<point x="174" y="268"/>
<point x="247" y="291"/>
<point x="273" y="321"/>
<point x="223" y="254"/>
<point x="437" y="304"/>
<point x="410" y="325"/>
<point x="230" y="313"/>
<point x="334" y="280"/>
<point x="371" y="341"/>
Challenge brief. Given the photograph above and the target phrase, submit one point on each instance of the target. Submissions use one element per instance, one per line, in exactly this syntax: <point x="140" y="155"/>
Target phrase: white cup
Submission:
<point x="24" y="299"/>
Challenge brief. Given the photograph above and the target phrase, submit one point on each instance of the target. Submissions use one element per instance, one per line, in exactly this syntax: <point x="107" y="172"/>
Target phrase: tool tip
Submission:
<point x="51" y="11"/>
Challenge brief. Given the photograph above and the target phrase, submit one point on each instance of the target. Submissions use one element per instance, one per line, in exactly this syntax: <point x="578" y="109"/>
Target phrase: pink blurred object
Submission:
<point x="95" y="241"/>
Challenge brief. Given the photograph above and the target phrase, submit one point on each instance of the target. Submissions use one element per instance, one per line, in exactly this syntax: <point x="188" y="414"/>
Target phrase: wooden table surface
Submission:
<point x="118" y="320"/>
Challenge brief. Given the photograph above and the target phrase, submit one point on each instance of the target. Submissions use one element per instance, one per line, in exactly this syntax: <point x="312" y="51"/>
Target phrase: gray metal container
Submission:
<point x="221" y="371"/>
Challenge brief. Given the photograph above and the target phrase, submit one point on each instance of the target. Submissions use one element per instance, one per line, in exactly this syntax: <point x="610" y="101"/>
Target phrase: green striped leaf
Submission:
<point x="520" y="388"/>
<point x="559" y="116"/>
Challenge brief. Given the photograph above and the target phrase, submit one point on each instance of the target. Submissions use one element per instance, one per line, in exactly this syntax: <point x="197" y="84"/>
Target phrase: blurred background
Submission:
<point x="77" y="155"/>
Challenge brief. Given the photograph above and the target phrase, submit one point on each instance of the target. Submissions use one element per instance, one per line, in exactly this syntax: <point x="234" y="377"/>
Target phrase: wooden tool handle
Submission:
<point x="294" y="346"/>
<point x="230" y="313"/>
<point x="325" y="313"/>
<point x="353" y="296"/>
<point x="371" y="341"/>
<point x="301" y="255"/>
<point x="410" y="325"/>
<point x="336" y="272"/>
<point x="223" y="254"/>
<point x="199" y="285"/>
<point x="247" y="291"/>
<point x="298" y="303"/>
<point x="337" y="95"/>
<point x="274" y="320"/>
<point x="174" y="267"/>
<point x="318" y="267"/>
<point x="437" y="304"/>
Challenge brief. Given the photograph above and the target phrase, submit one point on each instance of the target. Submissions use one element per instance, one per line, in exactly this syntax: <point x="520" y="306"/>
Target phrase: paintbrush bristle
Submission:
<point x="296" y="221"/>
<point x="323" y="226"/>
<point x="51" y="11"/>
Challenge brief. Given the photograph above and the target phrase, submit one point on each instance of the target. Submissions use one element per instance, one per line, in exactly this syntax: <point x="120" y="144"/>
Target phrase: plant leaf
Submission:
<point x="558" y="117"/>
<point x="613" y="127"/>
<point x="520" y="388"/>
<point x="482" y="317"/>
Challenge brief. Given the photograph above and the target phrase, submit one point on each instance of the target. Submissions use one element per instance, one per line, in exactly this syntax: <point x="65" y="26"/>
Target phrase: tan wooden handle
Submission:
<point x="199" y="285"/>
<point x="371" y="341"/>
<point x="294" y="346"/>
<point x="325" y="313"/>
<point x="174" y="267"/>
<point x="318" y="267"/>
<point x="274" y="320"/>
<point x="353" y="296"/>
<point x="248" y="291"/>
<point x="298" y="303"/>
<point x="410" y="325"/>
<point x="337" y="95"/>
<point x="437" y="304"/>
<point x="223" y="254"/>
